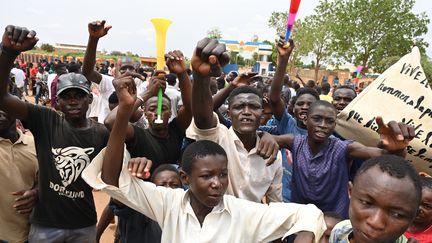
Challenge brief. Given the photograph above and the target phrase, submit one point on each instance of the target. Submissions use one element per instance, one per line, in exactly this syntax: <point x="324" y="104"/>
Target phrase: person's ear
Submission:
<point x="90" y="96"/>
<point x="184" y="177"/>
<point x="350" y="187"/>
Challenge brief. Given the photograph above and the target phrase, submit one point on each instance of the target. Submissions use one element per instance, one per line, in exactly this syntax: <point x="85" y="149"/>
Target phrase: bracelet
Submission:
<point x="9" y="53"/>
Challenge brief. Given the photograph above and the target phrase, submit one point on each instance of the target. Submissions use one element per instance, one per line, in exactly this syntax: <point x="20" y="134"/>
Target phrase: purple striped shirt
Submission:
<point x="321" y="179"/>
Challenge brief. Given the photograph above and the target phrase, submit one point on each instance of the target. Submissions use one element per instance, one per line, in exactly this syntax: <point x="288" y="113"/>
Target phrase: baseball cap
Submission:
<point x="73" y="81"/>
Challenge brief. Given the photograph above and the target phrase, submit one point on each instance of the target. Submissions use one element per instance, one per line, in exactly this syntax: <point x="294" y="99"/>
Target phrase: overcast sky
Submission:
<point x="66" y="21"/>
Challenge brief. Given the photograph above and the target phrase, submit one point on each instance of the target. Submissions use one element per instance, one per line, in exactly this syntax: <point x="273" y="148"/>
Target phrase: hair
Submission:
<point x="321" y="103"/>
<point x="243" y="90"/>
<point x="426" y="182"/>
<point x="171" y="79"/>
<point x="396" y="167"/>
<point x="307" y="90"/>
<point x="325" y="88"/>
<point x="164" y="96"/>
<point x="198" y="150"/>
<point x="310" y="83"/>
<point x="345" y="87"/>
<point x="161" y="168"/>
<point x="59" y="66"/>
<point x="113" y="99"/>
<point x="74" y="67"/>
<point x="333" y="215"/>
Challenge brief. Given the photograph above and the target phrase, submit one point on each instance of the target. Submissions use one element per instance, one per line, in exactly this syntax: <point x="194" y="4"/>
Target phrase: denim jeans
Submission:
<point x="40" y="234"/>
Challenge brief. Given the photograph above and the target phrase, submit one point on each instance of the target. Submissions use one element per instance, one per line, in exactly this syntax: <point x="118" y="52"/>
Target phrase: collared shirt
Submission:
<point x="342" y="233"/>
<point x="18" y="171"/>
<point x="232" y="220"/>
<point x="249" y="177"/>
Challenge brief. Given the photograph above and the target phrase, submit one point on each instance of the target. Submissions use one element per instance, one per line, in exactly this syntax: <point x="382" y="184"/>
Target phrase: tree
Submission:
<point x="278" y="21"/>
<point x="311" y="36"/>
<point x="367" y="31"/>
<point x="426" y="63"/>
<point x="47" y="47"/>
<point x="117" y="53"/>
<point x="214" y="33"/>
<point x="255" y="38"/>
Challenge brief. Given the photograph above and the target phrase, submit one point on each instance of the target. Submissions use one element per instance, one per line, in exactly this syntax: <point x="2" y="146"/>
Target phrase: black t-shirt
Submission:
<point x="65" y="200"/>
<point x="158" y="150"/>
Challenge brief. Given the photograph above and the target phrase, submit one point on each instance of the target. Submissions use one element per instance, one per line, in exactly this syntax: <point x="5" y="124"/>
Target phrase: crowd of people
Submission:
<point x="230" y="158"/>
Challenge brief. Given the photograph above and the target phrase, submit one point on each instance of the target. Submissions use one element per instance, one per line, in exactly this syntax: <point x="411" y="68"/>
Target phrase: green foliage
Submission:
<point x="117" y="53"/>
<point x="278" y="21"/>
<point x="214" y="33"/>
<point x="47" y="47"/>
<point x="426" y="63"/>
<point x="367" y="31"/>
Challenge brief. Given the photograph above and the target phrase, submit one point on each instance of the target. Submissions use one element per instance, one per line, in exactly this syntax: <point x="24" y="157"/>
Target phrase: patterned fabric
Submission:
<point x="342" y="233"/>
<point x="321" y="179"/>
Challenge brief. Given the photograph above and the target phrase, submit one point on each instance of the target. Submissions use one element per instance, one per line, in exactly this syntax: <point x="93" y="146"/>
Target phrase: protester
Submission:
<point x="65" y="145"/>
<point x="172" y="92"/>
<point x="385" y="196"/>
<point x="342" y="96"/>
<point x="19" y="78"/>
<point x="136" y="227"/>
<point x="421" y="227"/>
<point x="18" y="175"/>
<point x="321" y="162"/>
<point x="251" y="177"/>
<point x="60" y="69"/>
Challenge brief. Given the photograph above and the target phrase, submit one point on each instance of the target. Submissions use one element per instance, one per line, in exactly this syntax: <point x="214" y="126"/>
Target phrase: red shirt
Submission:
<point x="33" y="72"/>
<point x="421" y="237"/>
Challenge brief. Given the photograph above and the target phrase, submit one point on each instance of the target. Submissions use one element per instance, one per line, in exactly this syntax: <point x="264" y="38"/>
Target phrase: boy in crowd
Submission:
<point x="136" y="227"/>
<point x="342" y="96"/>
<point x="65" y="145"/>
<point x="421" y="227"/>
<point x="96" y="31"/>
<point x="321" y="162"/>
<point x="385" y="196"/>
<point x="250" y="177"/>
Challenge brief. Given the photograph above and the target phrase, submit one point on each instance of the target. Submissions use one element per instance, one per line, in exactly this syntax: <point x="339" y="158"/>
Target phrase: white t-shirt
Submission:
<point x="19" y="77"/>
<point x="51" y="77"/>
<point x="106" y="88"/>
<point x="175" y="97"/>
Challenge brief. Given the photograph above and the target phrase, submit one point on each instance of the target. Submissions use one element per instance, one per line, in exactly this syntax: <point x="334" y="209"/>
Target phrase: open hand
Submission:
<point x="25" y="201"/>
<point x="394" y="136"/>
<point x="175" y="62"/>
<point x="97" y="29"/>
<point x="140" y="167"/>
<point x="18" y="39"/>
<point x="208" y="58"/>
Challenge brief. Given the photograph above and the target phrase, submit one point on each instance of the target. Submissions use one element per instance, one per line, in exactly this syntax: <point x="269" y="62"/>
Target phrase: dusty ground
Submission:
<point x="101" y="200"/>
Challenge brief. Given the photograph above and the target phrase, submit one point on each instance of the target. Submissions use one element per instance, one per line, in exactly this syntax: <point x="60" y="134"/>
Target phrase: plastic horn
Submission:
<point x="359" y="69"/>
<point x="161" y="27"/>
<point x="291" y="19"/>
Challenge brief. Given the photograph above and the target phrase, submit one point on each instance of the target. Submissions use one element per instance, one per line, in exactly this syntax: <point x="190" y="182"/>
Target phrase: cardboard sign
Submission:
<point x="401" y="93"/>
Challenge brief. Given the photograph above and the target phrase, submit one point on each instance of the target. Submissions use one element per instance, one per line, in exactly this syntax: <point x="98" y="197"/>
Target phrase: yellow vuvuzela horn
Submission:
<point x="161" y="27"/>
